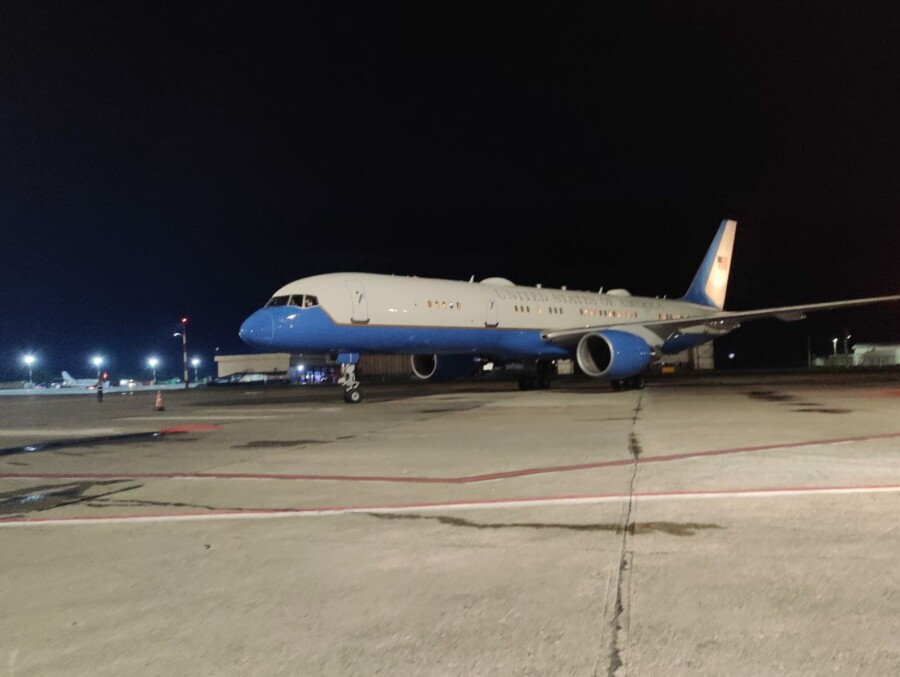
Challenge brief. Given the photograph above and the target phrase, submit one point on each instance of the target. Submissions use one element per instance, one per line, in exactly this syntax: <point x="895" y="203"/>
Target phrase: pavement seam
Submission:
<point x="620" y="616"/>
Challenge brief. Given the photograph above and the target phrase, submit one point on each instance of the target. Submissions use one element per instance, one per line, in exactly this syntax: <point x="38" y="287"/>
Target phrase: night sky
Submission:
<point x="160" y="160"/>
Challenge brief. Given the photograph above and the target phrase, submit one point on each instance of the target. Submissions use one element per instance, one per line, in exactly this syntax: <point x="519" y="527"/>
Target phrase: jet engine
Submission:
<point x="442" y="367"/>
<point x="613" y="354"/>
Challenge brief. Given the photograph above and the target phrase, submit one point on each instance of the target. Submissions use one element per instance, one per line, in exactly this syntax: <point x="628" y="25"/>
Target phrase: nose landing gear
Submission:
<point x="352" y="393"/>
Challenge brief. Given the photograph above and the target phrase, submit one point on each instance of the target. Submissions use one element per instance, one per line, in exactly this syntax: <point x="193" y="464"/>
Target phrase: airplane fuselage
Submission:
<point x="369" y="313"/>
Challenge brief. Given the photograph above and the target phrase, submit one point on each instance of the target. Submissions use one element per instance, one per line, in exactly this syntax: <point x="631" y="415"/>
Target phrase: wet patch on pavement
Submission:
<point x="798" y="407"/>
<point x="822" y="410"/>
<point x="103" y="502"/>
<point x="45" y="497"/>
<point x="276" y="444"/>
<point x="603" y="419"/>
<point x="102" y="440"/>
<point x="634" y="445"/>
<point x="450" y="409"/>
<point x="769" y="396"/>
<point x="671" y="528"/>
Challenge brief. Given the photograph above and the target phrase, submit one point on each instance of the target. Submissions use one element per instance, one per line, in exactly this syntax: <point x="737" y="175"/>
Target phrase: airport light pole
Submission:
<point x="152" y="363"/>
<point x="183" y="335"/>
<point x="29" y="361"/>
<point x="97" y="361"/>
<point x="195" y="362"/>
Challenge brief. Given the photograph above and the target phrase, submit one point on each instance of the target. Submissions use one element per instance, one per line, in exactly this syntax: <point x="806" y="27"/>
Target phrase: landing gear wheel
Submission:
<point x="616" y="385"/>
<point x="526" y="382"/>
<point x="637" y="382"/>
<point x="352" y="395"/>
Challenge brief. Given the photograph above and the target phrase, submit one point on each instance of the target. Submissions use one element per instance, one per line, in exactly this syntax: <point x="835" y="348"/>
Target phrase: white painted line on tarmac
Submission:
<point x="460" y="505"/>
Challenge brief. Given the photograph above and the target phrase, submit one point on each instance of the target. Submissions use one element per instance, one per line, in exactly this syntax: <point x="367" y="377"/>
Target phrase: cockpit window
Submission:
<point x="299" y="300"/>
<point x="304" y="301"/>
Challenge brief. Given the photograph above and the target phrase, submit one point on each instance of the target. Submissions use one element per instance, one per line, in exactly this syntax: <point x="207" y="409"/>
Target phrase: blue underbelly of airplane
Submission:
<point x="311" y="330"/>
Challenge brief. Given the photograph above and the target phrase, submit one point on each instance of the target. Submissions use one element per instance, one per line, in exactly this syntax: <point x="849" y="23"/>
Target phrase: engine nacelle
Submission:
<point x="613" y="354"/>
<point x="442" y="367"/>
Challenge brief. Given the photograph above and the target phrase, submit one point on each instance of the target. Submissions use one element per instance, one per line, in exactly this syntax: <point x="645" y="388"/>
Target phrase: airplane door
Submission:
<point x="493" y="318"/>
<point x="360" y="313"/>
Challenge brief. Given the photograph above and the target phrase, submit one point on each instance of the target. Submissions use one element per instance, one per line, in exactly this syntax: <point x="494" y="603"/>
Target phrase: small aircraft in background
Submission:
<point x="446" y="325"/>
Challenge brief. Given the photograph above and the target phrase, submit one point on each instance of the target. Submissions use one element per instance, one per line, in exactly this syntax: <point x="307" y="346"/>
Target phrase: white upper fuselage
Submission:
<point x="367" y="313"/>
<point x="395" y="301"/>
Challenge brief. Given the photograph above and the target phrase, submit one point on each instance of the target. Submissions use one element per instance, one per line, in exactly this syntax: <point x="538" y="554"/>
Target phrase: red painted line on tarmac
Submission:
<point x="448" y="480"/>
<point x="191" y="428"/>
<point x="450" y="505"/>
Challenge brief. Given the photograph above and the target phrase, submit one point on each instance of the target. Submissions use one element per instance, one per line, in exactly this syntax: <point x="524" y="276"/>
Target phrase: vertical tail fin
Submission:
<point x="711" y="280"/>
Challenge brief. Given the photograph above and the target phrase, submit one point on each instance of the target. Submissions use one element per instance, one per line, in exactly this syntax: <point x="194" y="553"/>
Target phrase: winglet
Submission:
<point x="711" y="280"/>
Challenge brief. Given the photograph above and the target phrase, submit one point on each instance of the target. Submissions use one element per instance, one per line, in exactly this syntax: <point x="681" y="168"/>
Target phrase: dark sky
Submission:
<point x="166" y="159"/>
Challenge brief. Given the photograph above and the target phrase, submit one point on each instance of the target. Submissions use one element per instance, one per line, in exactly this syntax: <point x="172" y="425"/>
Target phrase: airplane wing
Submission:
<point x="717" y="320"/>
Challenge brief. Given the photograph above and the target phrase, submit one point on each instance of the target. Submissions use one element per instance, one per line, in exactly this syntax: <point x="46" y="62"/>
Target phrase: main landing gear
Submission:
<point x="635" y="382"/>
<point x="352" y="393"/>
<point x="535" y="376"/>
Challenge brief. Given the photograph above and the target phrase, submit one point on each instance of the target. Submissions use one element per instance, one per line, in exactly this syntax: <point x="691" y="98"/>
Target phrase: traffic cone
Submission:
<point x="159" y="403"/>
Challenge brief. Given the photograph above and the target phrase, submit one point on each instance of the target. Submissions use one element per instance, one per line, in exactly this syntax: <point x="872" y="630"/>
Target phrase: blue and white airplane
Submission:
<point x="445" y="325"/>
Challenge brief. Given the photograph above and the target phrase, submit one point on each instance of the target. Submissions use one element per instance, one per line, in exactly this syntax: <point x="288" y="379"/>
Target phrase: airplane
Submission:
<point x="446" y="325"/>
<point x="69" y="382"/>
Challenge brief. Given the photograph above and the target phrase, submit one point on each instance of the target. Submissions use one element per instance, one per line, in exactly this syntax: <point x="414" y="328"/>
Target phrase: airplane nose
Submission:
<point x="258" y="330"/>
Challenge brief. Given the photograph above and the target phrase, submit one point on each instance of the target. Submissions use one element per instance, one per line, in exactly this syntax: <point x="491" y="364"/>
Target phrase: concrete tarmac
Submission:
<point x="739" y="524"/>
